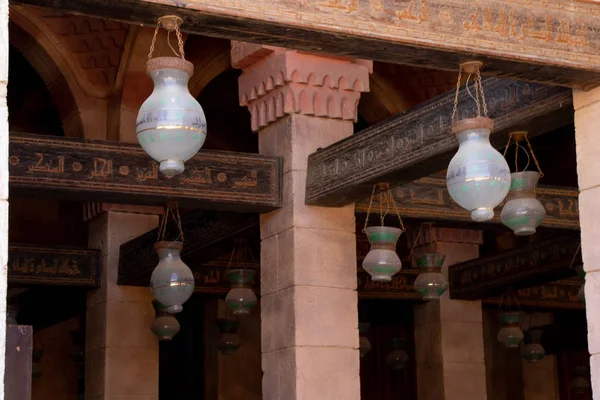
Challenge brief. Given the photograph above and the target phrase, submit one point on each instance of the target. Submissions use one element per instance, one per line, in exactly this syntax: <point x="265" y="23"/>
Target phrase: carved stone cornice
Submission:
<point x="277" y="81"/>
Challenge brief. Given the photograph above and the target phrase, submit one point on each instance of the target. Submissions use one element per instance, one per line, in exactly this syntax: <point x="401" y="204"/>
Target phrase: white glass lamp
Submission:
<point x="382" y="261"/>
<point x="172" y="281"/>
<point x="478" y="177"/>
<point x="171" y="126"/>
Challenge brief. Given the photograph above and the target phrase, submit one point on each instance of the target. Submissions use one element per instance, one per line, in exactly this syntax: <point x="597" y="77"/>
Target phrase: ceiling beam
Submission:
<point x="418" y="142"/>
<point x="428" y="199"/>
<point x="113" y="172"/>
<point x="526" y="266"/>
<point x="536" y="41"/>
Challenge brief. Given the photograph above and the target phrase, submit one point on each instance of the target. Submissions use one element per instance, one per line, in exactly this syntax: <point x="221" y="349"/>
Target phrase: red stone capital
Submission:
<point x="277" y="81"/>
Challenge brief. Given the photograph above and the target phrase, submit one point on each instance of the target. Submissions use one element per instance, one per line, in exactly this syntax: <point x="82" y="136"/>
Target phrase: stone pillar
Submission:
<point x="587" y="121"/>
<point x="309" y="318"/>
<point x="3" y="181"/>
<point x="449" y="333"/>
<point x="121" y="359"/>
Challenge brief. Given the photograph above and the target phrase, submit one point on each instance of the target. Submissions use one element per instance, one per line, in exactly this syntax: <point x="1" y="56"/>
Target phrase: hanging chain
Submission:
<point x="385" y="196"/>
<point x="479" y="97"/>
<point x="575" y="256"/>
<point x="537" y="164"/>
<point x="416" y="241"/>
<point x="172" y="209"/>
<point x="460" y="69"/>
<point x="181" y="53"/>
<point x="516" y="157"/>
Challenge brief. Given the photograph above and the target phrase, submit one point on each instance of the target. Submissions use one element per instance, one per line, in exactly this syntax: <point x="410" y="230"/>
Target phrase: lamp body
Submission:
<point x="510" y="334"/>
<point x="580" y="383"/>
<point x="241" y="298"/>
<point x="165" y="325"/>
<point x="229" y="340"/>
<point x="171" y="126"/>
<point x="397" y="359"/>
<point x="523" y="212"/>
<point x="533" y="351"/>
<point x="430" y="283"/>
<point x="478" y="177"/>
<point x="172" y="281"/>
<point x="382" y="261"/>
<point x="364" y="345"/>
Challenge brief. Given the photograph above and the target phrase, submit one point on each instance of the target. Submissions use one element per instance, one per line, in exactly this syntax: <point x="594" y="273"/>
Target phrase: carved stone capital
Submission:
<point x="277" y="81"/>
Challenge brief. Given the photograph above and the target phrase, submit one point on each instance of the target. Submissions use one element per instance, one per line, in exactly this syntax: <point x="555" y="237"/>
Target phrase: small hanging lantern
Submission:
<point x="581" y="292"/>
<point x="523" y="212"/>
<point x="170" y="126"/>
<point x="241" y="298"/>
<point x="478" y="177"/>
<point x="430" y="283"/>
<point x="533" y="351"/>
<point x="165" y="325"/>
<point x="580" y="383"/>
<point x="382" y="261"/>
<point x="510" y="334"/>
<point x="364" y="345"/>
<point x="397" y="359"/>
<point x="229" y="341"/>
<point x="172" y="281"/>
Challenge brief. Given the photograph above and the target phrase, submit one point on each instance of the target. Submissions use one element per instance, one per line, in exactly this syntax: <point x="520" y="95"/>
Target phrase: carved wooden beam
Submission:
<point x="543" y="41"/>
<point x="418" y="142"/>
<point x="204" y="232"/>
<point x="124" y="173"/>
<point x="526" y="266"/>
<point x="428" y="199"/>
<point x="559" y="294"/>
<point x="59" y="266"/>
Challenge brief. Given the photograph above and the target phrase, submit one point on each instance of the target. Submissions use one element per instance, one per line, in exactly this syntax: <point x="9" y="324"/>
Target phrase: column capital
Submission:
<point x="433" y="234"/>
<point x="277" y="81"/>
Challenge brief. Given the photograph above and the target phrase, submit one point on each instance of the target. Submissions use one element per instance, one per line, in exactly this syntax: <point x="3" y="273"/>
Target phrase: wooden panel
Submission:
<point x="559" y="294"/>
<point x="428" y="199"/>
<point x="418" y="142"/>
<point x="526" y="266"/>
<point x="546" y="41"/>
<point x="117" y="172"/>
<point x="17" y="375"/>
<point x="203" y="230"/>
<point x="65" y="266"/>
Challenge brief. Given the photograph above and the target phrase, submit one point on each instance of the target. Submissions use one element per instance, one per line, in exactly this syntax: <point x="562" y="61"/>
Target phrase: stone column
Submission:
<point x="298" y="103"/>
<point x="121" y="360"/>
<point x="449" y="333"/>
<point x="587" y="121"/>
<point x="3" y="181"/>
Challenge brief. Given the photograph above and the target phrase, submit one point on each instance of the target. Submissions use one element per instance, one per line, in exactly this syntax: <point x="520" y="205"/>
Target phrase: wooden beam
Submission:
<point x="418" y="143"/>
<point x="57" y="266"/>
<point x="543" y="41"/>
<point x="123" y="173"/>
<point x="561" y="294"/>
<point x="526" y="266"/>
<point x="428" y="199"/>
<point x="203" y="231"/>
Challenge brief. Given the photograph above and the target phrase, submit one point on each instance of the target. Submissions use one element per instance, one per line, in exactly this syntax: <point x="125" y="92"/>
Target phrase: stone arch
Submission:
<point x="56" y="81"/>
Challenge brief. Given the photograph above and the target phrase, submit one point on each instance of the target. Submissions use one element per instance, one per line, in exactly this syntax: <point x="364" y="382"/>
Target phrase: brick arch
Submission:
<point x="57" y="82"/>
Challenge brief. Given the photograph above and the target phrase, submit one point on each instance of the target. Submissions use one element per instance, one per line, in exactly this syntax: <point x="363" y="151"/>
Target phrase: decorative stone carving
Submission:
<point x="276" y="82"/>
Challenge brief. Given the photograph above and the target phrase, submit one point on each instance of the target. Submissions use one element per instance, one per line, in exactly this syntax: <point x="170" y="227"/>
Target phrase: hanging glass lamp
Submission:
<point x="364" y="345"/>
<point x="580" y="383"/>
<point x="430" y="283"/>
<point x="533" y="351"/>
<point x="165" y="325"/>
<point x="581" y="292"/>
<point x="229" y="340"/>
<point x="241" y="298"/>
<point x="523" y="212"/>
<point x="478" y="177"/>
<point x="170" y="126"/>
<point x="397" y="359"/>
<point x="172" y="281"/>
<point x="382" y="261"/>
<point x="510" y="334"/>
